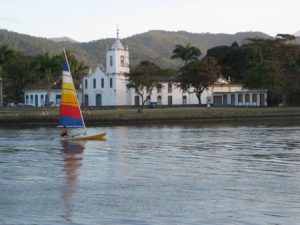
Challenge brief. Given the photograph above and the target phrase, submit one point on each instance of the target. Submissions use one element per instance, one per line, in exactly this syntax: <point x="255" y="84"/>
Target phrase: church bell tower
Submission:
<point x="117" y="65"/>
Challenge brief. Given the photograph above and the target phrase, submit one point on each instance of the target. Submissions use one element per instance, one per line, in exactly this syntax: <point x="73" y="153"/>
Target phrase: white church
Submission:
<point x="108" y="88"/>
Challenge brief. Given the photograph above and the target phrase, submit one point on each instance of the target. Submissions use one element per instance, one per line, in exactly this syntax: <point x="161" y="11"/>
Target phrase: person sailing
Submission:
<point x="64" y="132"/>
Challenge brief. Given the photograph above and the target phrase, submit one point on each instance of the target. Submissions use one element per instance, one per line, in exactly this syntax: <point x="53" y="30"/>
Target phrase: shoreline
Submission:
<point x="167" y="115"/>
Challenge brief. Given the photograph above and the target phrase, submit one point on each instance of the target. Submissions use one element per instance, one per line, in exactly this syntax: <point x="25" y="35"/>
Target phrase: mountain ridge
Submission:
<point x="154" y="45"/>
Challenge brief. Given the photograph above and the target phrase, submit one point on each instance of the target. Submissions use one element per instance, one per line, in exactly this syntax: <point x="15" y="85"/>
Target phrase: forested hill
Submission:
<point x="153" y="45"/>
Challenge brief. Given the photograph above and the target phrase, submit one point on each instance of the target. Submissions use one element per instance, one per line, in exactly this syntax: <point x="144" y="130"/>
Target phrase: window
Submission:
<point x="159" y="100"/>
<point x="85" y="84"/>
<point x="111" y="82"/>
<point x="102" y="82"/>
<point x="158" y="89"/>
<point x="94" y="83"/>
<point x="31" y="99"/>
<point x="110" y="60"/>
<point x="184" y="100"/>
<point x="169" y="88"/>
<point x="240" y="98"/>
<point x="122" y="61"/>
<point x="247" y="98"/>
<point x="57" y="99"/>
<point x="254" y="98"/>
<point x="148" y="99"/>
<point x="26" y="101"/>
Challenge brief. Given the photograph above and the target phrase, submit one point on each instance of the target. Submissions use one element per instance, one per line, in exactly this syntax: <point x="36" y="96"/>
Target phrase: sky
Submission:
<point x="87" y="20"/>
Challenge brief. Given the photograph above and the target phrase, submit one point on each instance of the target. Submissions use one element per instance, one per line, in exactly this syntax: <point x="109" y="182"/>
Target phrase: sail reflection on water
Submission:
<point x="72" y="162"/>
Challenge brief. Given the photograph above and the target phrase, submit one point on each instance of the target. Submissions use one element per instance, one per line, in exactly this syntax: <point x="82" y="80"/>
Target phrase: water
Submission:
<point x="184" y="174"/>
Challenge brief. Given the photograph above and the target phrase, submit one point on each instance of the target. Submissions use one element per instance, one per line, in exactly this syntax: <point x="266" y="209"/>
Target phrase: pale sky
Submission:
<point x="87" y="20"/>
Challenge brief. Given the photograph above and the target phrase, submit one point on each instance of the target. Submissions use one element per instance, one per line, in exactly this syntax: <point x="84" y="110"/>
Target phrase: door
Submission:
<point x="86" y="100"/>
<point x="98" y="100"/>
<point x="262" y="100"/>
<point x="224" y="100"/>
<point x="170" y="100"/>
<point x="232" y="100"/>
<point x="36" y="100"/>
<point x="137" y="100"/>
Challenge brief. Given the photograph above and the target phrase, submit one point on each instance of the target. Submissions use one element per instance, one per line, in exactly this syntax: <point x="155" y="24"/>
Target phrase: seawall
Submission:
<point x="49" y="116"/>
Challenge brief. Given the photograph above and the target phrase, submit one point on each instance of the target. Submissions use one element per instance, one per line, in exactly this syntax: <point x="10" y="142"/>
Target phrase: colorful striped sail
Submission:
<point x="70" y="113"/>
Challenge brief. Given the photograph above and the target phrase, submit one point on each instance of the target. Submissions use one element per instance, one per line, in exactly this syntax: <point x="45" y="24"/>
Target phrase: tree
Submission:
<point x="144" y="78"/>
<point x="197" y="76"/>
<point x="6" y="54"/>
<point x="267" y="75"/>
<point x="187" y="53"/>
<point x="47" y="66"/>
<point x="235" y="60"/>
<point x="78" y="68"/>
<point x="18" y="76"/>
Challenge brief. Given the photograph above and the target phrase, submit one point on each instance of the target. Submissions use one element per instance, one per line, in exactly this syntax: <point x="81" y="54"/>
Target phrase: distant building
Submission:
<point x="108" y="88"/>
<point x="36" y="94"/>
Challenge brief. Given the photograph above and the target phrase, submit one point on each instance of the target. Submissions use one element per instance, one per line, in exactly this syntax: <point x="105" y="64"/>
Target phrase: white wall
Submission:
<point x="37" y="98"/>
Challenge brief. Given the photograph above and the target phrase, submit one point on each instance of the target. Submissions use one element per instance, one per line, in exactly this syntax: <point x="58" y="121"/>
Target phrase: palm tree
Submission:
<point x="47" y="66"/>
<point x="187" y="53"/>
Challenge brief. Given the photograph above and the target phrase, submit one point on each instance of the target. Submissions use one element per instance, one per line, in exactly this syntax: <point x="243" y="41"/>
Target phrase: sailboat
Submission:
<point x="70" y="115"/>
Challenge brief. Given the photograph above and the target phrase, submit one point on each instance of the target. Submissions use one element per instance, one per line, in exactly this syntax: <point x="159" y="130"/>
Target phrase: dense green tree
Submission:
<point x="186" y="53"/>
<point x="235" y="60"/>
<point x="6" y="54"/>
<point x="267" y="75"/>
<point x="197" y="76"/>
<point x="18" y="76"/>
<point x="144" y="78"/>
<point x="47" y="66"/>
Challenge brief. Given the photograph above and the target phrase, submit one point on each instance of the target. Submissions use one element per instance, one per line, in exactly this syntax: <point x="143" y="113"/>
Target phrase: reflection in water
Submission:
<point x="72" y="162"/>
<point x="152" y="175"/>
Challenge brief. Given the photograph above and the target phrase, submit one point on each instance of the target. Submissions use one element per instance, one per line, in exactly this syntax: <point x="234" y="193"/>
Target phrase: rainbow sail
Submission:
<point x="70" y="113"/>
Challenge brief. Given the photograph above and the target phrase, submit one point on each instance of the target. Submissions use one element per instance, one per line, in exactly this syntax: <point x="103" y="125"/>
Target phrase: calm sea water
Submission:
<point x="173" y="174"/>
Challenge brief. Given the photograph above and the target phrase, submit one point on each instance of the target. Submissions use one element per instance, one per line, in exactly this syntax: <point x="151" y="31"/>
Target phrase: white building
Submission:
<point x="36" y="94"/>
<point x="108" y="88"/>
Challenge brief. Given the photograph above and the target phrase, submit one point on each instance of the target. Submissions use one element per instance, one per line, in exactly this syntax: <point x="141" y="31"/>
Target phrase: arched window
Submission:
<point x="159" y="100"/>
<point x="169" y="88"/>
<point x="86" y="84"/>
<point x="110" y="60"/>
<point x="94" y="83"/>
<point x="122" y="61"/>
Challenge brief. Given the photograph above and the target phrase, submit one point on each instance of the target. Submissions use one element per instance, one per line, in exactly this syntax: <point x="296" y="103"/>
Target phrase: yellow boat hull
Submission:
<point x="86" y="138"/>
